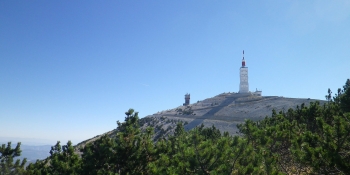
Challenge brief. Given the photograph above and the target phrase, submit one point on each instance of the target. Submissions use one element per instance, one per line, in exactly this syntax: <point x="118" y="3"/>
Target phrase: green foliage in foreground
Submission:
<point x="7" y="154"/>
<point x="306" y="140"/>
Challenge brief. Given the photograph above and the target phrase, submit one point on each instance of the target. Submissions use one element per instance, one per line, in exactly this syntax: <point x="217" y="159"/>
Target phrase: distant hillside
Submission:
<point x="224" y="111"/>
<point x="31" y="152"/>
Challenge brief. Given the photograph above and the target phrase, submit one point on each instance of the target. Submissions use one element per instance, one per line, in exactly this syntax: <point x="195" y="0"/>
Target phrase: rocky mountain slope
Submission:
<point x="224" y="111"/>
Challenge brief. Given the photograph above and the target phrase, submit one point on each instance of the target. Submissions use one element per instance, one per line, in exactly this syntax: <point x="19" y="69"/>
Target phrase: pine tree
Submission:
<point x="62" y="160"/>
<point x="128" y="153"/>
<point x="345" y="97"/>
<point x="7" y="154"/>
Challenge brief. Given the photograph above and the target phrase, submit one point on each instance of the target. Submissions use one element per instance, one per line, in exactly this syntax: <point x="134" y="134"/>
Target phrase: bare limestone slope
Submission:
<point x="224" y="111"/>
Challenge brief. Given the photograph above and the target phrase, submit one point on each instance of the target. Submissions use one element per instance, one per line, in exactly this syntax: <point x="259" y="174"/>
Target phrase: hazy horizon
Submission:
<point x="33" y="141"/>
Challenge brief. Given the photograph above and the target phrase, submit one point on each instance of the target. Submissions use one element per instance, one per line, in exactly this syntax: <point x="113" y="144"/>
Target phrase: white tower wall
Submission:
<point x="243" y="85"/>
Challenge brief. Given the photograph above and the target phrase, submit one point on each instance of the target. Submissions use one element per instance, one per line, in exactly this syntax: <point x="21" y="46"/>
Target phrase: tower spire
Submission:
<point x="243" y="54"/>
<point x="243" y="61"/>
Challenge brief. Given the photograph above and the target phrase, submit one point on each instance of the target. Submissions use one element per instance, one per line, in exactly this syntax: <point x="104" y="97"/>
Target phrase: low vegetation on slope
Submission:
<point x="312" y="139"/>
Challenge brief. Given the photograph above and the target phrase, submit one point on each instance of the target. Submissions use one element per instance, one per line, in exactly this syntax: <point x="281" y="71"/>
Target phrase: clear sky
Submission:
<point x="70" y="69"/>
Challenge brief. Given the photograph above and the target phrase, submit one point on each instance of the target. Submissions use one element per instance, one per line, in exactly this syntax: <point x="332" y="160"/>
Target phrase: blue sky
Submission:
<point x="70" y="69"/>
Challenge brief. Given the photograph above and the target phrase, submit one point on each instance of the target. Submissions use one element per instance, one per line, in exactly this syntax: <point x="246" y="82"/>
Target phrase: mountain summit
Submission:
<point x="224" y="111"/>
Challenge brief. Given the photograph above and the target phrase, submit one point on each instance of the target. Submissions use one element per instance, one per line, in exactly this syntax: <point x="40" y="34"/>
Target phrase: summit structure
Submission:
<point x="187" y="99"/>
<point x="243" y="74"/>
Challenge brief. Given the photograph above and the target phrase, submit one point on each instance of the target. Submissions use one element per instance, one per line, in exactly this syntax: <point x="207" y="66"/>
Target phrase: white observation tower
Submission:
<point x="243" y="74"/>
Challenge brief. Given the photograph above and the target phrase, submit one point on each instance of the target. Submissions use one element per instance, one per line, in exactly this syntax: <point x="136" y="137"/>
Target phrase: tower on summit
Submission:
<point x="243" y="75"/>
